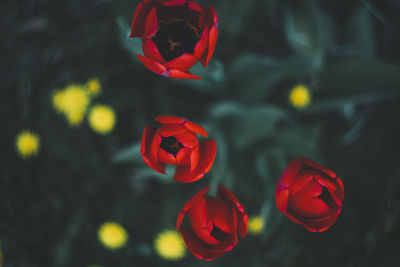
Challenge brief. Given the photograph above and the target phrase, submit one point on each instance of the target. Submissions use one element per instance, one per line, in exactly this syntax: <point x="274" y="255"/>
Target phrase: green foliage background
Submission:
<point x="346" y="52"/>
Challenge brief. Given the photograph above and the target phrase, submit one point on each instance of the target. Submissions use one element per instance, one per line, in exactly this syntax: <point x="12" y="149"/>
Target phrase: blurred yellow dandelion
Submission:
<point x="256" y="225"/>
<point x="300" y="96"/>
<point x="58" y="100"/>
<point x="169" y="245"/>
<point x="112" y="235"/>
<point x="93" y="86"/>
<point x="27" y="143"/>
<point x="101" y="119"/>
<point x="72" y="102"/>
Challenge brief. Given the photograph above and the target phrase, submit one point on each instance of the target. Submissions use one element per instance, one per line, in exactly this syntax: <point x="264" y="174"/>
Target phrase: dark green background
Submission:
<point x="346" y="52"/>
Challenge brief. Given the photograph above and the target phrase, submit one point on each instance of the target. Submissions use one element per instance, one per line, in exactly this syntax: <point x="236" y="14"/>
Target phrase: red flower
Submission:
<point x="176" y="34"/>
<point x="213" y="223"/>
<point x="175" y="142"/>
<point x="310" y="194"/>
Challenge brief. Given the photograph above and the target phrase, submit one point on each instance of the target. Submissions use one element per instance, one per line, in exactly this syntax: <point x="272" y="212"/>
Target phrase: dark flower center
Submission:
<point x="171" y="145"/>
<point x="217" y="233"/>
<point x="175" y="38"/>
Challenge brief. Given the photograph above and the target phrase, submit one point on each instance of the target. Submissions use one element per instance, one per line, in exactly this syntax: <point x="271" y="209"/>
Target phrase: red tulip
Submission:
<point x="176" y="34"/>
<point x="214" y="223"/>
<point x="310" y="195"/>
<point x="175" y="142"/>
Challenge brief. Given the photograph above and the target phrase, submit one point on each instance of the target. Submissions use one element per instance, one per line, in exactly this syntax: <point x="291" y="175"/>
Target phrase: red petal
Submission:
<point x="301" y="180"/>
<point x="319" y="226"/>
<point x="157" y="166"/>
<point x="208" y="151"/>
<point x="243" y="221"/>
<point x="198" y="248"/>
<point x="183" y="156"/>
<point x="325" y="182"/>
<point x="220" y="212"/>
<point x="290" y="172"/>
<point x="194" y="159"/>
<point x="152" y="65"/>
<point x="281" y="197"/>
<point x="195" y="6"/>
<point x="173" y="2"/>
<point x="318" y="167"/>
<point x="155" y="144"/>
<point x="171" y="130"/>
<point x="212" y="41"/>
<point x="224" y="193"/>
<point x="312" y="189"/>
<point x="201" y="47"/>
<point x="196" y="128"/>
<point x="150" y="50"/>
<point x="151" y="23"/>
<point x="147" y="136"/>
<point x="188" y="139"/>
<point x="198" y="218"/>
<point x="165" y="157"/>
<point x="137" y="28"/>
<point x="178" y="74"/>
<point x="183" y="62"/>
<point x="340" y="189"/>
<point x="189" y="204"/>
<point x="166" y="119"/>
<point x="311" y="207"/>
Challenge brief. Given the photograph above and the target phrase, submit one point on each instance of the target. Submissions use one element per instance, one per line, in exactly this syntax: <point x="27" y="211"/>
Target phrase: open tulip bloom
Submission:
<point x="176" y="34"/>
<point x="175" y="142"/>
<point x="213" y="223"/>
<point x="310" y="195"/>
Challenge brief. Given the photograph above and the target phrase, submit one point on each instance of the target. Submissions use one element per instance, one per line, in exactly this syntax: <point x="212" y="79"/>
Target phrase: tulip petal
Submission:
<point x="220" y="212"/>
<point x="202" y="45"/>
<point x="302" y="179"/>
<point x="312" y="189"/>
<point x="173" y="2"/>
<point x="195" y="6"/>
<point x="151" y="23"/>
<point x="318" y="167"/>
<point x="157" y="166"/>
<point x="320" y="226"/>
<point x="243" y="220"/>
<point x="310" y="207"/>
<point x="152" y="65"/>
<point x="166" y="119"/>
<point x="224" y="193"/>
<point x="165" y="157"/>
<point x="281" y="197"/>
<point x="178" y="74"/>
<point x="198" y="248"/>
<point x="155" y="144"/>
<point x="290" y="172"/>
<point x="325" y="182"/>
<point x="194" y="159"/>
<point x="183" y="157"/>
<point x="150" y="50"/>
<point x="195" y="128"/>
<point x="189" y="204"/>
<point x="208" y="151"/>
<point x="183" y="62"/>
<point x="171" y="130"/>
<point x="137" y="28"/>
<point x="212" y="41"/>
<point x="187" y="139"/>
<point x="147" y="136"/>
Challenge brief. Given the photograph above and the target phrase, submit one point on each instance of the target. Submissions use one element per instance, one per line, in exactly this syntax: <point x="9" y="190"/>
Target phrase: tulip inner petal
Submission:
<point x="171" y="145"/>
<point x="175" y="37"/>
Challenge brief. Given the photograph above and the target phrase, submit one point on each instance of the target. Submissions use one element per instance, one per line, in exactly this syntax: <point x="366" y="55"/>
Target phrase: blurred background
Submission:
<point x="319" y="79"/>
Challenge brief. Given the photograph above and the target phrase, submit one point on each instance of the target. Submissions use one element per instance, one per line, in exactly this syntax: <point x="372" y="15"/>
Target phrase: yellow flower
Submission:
<point x="101" y="119"/>
<point x="58" y="100"/>
<point x="112" y="235"/>
<point x="300" y="96"/>
<point x="169" y="245"/>
<point x="27" y="143"/>
<point x="93" y="86"/>
<point x="256" y="225"/>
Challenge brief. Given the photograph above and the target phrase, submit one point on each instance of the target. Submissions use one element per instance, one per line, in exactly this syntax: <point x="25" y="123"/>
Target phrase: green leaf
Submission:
<point x="248" y="124"/>
<point x="128" y="154"/>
